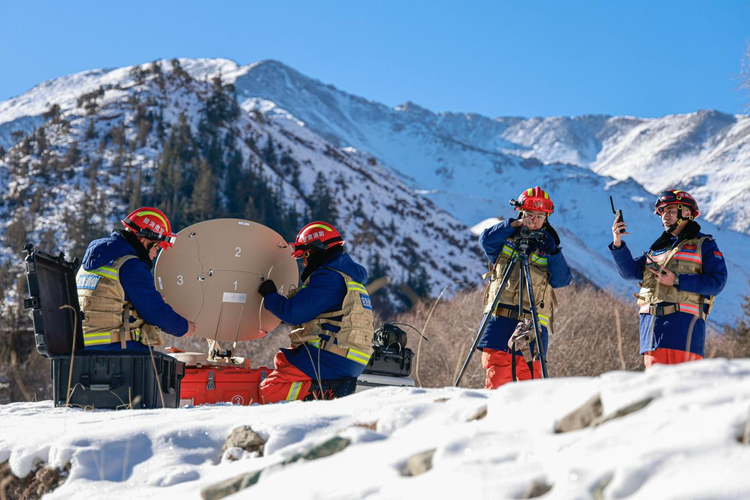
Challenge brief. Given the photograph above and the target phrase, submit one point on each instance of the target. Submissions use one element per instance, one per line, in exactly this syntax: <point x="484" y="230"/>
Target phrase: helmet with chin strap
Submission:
<point x="152" y="224"/>
<point x="315" y="236"/>
<point x="677" y="197"/>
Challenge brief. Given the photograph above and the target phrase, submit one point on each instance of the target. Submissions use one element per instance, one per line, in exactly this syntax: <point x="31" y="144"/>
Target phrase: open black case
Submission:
<point x="98" y="379"/>
<point x="390" y="355"/>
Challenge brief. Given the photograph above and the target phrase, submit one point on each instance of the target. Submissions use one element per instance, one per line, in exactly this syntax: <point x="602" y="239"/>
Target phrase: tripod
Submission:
<point x="522" y="243"/>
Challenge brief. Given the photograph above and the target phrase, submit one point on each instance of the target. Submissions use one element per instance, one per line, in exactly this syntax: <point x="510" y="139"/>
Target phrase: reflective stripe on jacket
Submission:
<point x="493" y="240"/>
<point x="107" y="314"/>
<point x="346" y="332"/>
<point x="684" y="259"/>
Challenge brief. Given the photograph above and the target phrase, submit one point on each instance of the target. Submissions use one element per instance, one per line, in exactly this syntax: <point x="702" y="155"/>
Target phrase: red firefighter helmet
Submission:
<point x="150" y="223"/>
<point x="316" y="235"/>
<point x="535" y="199"/>
<point x="676" y="197"/>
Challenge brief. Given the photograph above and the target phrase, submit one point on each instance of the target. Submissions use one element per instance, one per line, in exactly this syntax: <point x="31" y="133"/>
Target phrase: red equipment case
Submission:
<point x="207" y="383"/>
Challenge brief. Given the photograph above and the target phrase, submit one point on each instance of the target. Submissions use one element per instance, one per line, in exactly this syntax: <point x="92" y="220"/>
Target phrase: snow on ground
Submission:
<point x="682" y="445"/>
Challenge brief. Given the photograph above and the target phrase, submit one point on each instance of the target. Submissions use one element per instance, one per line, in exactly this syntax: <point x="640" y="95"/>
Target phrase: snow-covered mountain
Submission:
<point x="671" y="432"/>
<point x="95" y="151"/>
<point x="470" y="165"/>
<point x="706" y="152"/>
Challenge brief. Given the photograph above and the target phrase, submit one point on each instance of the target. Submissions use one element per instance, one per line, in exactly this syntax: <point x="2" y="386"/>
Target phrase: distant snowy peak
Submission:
<point x="705" y="152"/>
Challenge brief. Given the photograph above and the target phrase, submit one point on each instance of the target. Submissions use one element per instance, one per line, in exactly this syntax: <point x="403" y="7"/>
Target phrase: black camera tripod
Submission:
<point x="523" y="241"/>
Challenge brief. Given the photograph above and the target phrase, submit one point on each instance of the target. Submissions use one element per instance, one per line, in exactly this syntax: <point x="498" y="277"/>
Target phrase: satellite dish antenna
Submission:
<point x="212" y="273"/>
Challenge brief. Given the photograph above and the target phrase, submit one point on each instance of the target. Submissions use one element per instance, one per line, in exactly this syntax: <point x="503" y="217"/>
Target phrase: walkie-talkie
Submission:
<point x="618" y="213"/>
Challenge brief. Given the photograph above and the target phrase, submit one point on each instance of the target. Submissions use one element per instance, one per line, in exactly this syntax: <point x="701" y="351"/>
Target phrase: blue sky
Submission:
<point x="526" y="58"/>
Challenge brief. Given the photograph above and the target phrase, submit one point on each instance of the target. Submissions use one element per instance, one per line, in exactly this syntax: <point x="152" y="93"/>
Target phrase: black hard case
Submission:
<point x="100" y="379"/>
<point x="391" y="361"/>
<point x="118" y="381"/>
<point x="51" y="283"/>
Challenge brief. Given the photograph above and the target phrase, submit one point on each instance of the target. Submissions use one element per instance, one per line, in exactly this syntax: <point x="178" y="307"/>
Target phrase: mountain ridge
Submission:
<point x="469" y="165"/>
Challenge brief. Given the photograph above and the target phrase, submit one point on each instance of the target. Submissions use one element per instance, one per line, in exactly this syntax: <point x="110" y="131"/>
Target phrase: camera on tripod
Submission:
<point x="390" y="355"/>
<point x="528" y="234"/>
<point x="525" y="233"/>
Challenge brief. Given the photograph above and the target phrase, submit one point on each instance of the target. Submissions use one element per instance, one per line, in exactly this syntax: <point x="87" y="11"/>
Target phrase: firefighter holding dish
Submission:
<point x="122" y="308"/>
<point x="331" y="343"/>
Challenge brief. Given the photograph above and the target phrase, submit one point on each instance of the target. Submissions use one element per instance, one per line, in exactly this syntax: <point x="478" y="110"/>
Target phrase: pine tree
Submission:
<point x="135" y="199"/>
<point x="290" y="169"/>
<point x="236" y="186"/>
<point x="203" y="201"/>
<point x="269" y="154"/>
<point x="90" y="131"/>
<point x="16" y="232"/>
<point x="87" y="222"/>
<point x="417" y="276"/>
<point x="321" y="202"/>
<point x="376" y="268"/>
<point x="41" y="141"/>
<point x="71" y="157"/>
<point x="53" y="113"/>
<point x="740" y="333"/>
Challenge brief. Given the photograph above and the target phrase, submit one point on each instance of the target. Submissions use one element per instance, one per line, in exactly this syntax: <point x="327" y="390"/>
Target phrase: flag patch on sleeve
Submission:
<point x="718" y="254"/>
<point x="366" y="302"/>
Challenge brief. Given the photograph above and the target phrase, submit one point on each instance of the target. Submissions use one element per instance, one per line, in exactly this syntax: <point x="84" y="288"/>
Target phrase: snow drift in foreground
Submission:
<point x="488" y="444"/>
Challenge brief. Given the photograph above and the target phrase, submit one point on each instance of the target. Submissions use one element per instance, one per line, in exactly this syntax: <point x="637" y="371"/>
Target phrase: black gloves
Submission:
<point x="266" y="287"/>
<point x="547" y="245"/>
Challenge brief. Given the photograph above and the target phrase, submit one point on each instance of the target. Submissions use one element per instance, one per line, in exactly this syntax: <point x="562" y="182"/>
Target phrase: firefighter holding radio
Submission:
<point x="680" y="276"/>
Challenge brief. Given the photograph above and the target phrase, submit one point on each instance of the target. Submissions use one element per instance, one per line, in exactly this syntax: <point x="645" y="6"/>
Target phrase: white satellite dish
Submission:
<point x="212" y="273"/>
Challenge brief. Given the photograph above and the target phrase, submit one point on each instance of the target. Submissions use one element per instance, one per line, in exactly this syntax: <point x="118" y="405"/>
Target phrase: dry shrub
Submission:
<point x="25" y="379"/>
<point x="725" y="345"/>
<point x="450" y="333"/>
<point x="585" y="342"/>
<point x="44" y="479"/>
<point x="733" y="341"/>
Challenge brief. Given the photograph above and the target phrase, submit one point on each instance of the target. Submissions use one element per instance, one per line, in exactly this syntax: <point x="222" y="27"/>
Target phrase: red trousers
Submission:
<point x="285" y="383"/>
<point x="668" y="357"/>
<point x="500" y="369"/>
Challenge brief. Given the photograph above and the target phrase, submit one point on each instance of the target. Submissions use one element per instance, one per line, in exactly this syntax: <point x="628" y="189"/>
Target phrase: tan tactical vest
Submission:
<point x="354" y="339"/>
<point x="544" y="296"/>
<point x="685" y="258"/>
<point x="106" y="312"/>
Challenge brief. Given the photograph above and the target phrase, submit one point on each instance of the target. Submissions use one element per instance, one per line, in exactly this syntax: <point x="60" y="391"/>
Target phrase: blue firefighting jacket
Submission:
<point x="673" y="330"/>
<point x="325" y="292"/>
<point x="500" y="329"/>
<point x="138" y="283"/>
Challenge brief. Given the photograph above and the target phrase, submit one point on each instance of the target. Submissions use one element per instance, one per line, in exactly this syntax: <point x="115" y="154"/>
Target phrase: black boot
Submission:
<point x="332" y="389"/>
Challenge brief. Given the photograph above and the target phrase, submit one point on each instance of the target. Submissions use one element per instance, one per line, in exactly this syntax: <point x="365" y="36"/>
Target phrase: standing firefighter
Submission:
<point x="681" y="274"/>
<point x="548" y="270"/>
<point x="332" y="342"/>
<point x="122" y="308"/>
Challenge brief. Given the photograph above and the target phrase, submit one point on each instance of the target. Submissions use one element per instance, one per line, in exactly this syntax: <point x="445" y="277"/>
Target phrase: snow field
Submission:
<point x="684" y="444"/>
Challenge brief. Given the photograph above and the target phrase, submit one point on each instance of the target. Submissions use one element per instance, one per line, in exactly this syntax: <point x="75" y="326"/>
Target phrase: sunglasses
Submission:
<point x="528" y="215"/>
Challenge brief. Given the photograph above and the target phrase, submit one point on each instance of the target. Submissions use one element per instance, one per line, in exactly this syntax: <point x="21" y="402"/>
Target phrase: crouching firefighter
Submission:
<point x="680" y="276"/>
<point x="501" y="355"/>
<point x="331" y="343"/>
<point x="121" y="307"/>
